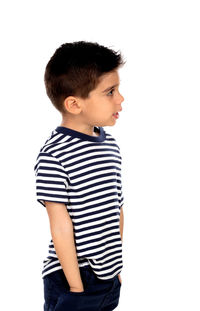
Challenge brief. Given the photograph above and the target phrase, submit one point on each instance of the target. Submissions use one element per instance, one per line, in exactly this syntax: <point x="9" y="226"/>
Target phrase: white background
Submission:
<point x="158" y="133"/>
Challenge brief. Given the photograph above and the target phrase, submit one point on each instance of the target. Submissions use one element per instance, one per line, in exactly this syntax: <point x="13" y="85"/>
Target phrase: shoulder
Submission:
<point x="53" y="139"/>
<point x="47" y="153"/>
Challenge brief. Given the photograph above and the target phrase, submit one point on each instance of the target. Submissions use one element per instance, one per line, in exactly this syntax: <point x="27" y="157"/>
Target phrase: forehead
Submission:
<point x="108" y="80"/>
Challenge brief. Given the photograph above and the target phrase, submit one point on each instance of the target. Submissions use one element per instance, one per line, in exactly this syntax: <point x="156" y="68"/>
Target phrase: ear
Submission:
<point x="72" y="105"/>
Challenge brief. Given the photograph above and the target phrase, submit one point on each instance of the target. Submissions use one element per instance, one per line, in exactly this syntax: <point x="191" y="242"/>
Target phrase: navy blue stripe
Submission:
<point x="108" y="222"/>
<point x="99" y="239"/>
<point x="97" y="232"/>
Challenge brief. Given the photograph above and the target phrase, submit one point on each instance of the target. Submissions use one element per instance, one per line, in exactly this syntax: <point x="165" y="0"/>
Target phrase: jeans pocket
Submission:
<point x="83" y="301"/>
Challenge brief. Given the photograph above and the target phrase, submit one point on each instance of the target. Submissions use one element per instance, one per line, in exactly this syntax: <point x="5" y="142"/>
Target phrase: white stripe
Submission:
<point x="90" y="244"/>
<point x="82" y="145"/>
<point x="91" y="168"/>
<point x="97" y="236"/>
<point x="94" y="223"/>
<point x="47" y="178"/>
<point x="46" y="185"/>
<point x="52" y="270"/>
<point x="107" y="258"/>
<point x="81" y="200"/>
<point x="108" y="270"/>
<point x="77" y="221"/>
<point x="98" y="249"/>
<point x="91" y="182"/>
<point x="47" y="198"/>
<point x="85" y="156"/>
<point x="62" y="143"/>
<point x="86" y="206"/>
<point x="96" y="266"/>
<point x="78" y="234"/>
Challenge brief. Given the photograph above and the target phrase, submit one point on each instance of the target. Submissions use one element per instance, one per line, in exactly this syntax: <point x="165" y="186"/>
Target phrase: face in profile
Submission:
<point x="104" y="103"/>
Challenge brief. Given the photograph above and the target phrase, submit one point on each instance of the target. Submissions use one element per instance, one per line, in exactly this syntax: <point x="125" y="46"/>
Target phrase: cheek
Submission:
<point x="101" y="106"/>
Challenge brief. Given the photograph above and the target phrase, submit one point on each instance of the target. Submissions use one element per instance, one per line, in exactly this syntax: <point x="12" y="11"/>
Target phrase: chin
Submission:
<point x="112" y="123"/>
<point x="106" y="123"/>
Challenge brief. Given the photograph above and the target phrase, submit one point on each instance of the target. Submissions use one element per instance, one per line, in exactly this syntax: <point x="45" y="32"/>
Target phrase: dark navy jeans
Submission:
<point x="98" y="295"/>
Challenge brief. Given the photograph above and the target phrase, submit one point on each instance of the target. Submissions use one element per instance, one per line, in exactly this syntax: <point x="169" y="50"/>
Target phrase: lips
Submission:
<point x="116" y="115"/>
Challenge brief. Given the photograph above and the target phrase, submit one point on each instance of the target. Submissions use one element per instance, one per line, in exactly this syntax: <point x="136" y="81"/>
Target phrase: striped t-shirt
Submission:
<point x="84" y="173"/>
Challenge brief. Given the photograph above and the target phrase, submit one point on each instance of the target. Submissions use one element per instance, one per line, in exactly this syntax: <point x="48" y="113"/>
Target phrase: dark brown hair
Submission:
<point x="75" y="69"/>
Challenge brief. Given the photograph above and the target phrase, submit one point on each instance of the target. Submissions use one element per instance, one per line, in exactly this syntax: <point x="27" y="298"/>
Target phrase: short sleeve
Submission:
<point x="51" y="179"/>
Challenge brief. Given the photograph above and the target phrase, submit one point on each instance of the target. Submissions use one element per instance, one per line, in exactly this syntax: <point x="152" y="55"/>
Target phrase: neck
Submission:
<point x="83" y="128"/>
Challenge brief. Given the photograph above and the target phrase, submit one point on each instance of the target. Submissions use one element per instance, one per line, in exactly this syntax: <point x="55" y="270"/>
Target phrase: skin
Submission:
<point x="82" y="115"/>
<point x="96" y="110"/>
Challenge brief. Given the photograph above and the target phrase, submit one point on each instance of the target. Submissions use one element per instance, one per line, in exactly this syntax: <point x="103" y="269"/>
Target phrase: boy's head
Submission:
<point x="75" y="71"/>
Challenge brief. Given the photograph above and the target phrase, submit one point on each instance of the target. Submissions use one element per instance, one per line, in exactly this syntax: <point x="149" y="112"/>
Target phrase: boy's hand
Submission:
<point x="119" y="277"/>
<point x="76" y="289"/>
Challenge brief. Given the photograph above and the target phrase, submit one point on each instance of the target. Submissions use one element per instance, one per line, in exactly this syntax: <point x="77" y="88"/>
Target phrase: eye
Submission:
<point x="111" y="92"/>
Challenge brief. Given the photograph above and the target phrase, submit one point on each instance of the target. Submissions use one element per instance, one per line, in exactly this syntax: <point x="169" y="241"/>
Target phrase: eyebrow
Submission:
<point x="110" y="88"/>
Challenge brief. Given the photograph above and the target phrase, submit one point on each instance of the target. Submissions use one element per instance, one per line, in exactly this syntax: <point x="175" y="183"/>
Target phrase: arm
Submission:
<point x="63" y="238"/>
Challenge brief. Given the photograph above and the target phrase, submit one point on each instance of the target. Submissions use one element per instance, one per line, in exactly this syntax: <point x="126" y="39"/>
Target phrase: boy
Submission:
<point x="78" y="180"/>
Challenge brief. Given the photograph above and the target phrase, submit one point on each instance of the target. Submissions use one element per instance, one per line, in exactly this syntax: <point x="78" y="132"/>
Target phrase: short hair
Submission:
<point x="75" y="69"/>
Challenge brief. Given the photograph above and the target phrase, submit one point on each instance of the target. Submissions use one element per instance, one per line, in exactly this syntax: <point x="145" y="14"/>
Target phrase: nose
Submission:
<point x="121" y="98"/>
